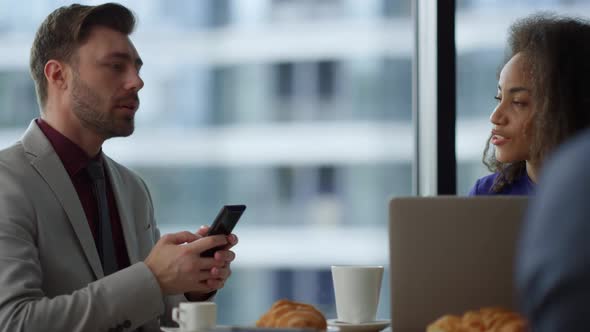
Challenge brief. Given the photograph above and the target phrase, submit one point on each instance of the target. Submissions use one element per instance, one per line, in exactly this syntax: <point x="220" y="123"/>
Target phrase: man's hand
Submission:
<point x="220" y="274"/>
<point x="177" y="264"/>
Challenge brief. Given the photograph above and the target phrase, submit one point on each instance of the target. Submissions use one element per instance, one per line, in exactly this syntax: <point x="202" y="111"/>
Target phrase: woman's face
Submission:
<point x="512" y="118"/>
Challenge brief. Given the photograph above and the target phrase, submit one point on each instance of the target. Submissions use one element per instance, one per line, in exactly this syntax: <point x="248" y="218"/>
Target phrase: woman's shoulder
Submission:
<point x="521" y="185"/>
<point x="483" y="185"/>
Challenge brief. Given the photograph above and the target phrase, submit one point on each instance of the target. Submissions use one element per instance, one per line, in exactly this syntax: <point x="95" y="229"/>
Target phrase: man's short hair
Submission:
<point x="65" y="29"/>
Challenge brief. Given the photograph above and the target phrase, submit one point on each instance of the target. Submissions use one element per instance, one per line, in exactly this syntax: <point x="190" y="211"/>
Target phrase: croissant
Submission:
<point x="285" y="313"/>
<point x="483" y="320"/>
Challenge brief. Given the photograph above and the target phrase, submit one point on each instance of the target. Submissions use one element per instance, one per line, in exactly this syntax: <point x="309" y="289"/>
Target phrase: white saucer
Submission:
<point x="178" y="329"/>
<point x="375" y="326"/>
<point x="332" y="328"/>
<point x="171" y="329"/>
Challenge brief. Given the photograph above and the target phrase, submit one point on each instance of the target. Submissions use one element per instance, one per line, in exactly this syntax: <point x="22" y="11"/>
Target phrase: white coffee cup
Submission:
<point x="356" y="289"/>
<point x="195" y="316"/>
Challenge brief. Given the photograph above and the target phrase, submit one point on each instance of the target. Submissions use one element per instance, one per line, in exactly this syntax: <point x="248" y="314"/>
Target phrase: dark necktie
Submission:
<point x="106" y="245"/>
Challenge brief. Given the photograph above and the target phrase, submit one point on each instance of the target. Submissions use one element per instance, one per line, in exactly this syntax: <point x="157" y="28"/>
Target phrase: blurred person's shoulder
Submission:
<point x="551" y="271"/>
<point x="573" y="155"/>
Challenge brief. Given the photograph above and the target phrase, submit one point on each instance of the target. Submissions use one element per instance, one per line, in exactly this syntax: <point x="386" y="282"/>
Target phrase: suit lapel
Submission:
<point x="124" y="207"/>
<point x="47" y="163"/>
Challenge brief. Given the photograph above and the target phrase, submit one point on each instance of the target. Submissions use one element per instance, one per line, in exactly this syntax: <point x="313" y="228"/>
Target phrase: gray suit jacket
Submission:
<point x="51" y="277"/>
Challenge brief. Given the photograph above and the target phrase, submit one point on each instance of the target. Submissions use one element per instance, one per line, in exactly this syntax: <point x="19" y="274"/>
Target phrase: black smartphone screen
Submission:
<point x="224" y="223"/>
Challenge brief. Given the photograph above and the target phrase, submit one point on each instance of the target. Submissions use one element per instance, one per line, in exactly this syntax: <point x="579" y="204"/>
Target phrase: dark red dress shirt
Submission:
<point x="75" y="161"/>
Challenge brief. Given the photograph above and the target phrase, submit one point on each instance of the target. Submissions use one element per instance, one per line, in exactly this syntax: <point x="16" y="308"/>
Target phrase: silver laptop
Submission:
<point x="450" y="254"/>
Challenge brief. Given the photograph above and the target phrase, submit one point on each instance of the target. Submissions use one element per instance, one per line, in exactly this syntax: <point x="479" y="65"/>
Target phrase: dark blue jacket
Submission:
<point x="553" y="264"/>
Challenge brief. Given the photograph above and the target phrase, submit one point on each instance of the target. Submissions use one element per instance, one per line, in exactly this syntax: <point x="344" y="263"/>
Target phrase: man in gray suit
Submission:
<point x="79" y="246"/>
<point x="552" y="272"/>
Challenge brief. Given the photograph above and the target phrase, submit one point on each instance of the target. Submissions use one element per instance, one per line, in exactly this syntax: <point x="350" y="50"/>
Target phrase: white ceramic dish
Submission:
<point x="375" y="326"/>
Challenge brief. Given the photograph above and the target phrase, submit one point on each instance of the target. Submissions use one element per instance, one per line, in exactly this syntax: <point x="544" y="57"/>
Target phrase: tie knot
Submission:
<point x="95" y="170"/>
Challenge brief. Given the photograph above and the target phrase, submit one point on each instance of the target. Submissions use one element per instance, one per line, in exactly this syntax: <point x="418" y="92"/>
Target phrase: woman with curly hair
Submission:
<point x="543" y="99"/>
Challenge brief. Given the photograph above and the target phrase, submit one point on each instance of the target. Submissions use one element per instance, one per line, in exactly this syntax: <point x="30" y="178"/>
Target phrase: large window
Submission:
<point x="481" y="35"/>
<point x="300" y="109"/>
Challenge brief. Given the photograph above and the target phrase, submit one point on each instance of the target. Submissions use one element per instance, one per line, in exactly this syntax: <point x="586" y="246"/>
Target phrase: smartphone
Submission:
<point x="224" y="223"/>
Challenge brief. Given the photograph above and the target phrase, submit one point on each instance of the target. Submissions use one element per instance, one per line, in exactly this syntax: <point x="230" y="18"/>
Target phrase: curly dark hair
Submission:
<point x="557" y="52"/>
<point x="65" y="29"/>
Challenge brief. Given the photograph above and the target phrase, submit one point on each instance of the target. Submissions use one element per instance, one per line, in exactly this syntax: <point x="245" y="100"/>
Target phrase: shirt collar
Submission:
<point x="72" y="156"/>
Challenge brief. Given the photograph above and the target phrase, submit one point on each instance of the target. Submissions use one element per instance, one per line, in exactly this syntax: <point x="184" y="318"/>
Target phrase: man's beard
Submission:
<point x="86" y="107"/>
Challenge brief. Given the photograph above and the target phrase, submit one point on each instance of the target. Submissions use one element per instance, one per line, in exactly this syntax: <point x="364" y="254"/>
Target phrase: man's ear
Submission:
<point x="56" y="74"/>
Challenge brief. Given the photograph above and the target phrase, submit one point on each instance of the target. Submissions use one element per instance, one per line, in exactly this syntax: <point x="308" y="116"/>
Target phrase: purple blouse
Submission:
<point x="522" y="185"/>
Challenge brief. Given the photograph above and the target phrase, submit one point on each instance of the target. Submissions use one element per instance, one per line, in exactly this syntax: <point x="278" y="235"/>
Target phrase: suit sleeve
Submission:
<point x="170" y="301"/>
<point x="553" y="274"/>
<point x="122" y="301"/>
